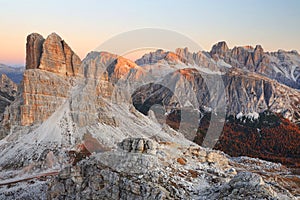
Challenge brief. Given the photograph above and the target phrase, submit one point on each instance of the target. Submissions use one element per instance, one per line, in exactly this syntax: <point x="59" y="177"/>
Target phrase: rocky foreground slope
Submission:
<point x="142" y="168"/>
<point x="73" y="132"/>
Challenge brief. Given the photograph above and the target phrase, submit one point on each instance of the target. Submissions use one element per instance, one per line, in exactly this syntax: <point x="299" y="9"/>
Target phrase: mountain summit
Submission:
<point x="40" y="53"/>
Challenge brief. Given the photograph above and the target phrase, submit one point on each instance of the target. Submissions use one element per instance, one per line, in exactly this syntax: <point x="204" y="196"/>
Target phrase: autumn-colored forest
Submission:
<point x="271" y="137"/>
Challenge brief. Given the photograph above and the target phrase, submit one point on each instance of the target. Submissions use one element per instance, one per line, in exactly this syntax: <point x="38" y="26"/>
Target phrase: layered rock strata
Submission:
<point x="50" y="67"/>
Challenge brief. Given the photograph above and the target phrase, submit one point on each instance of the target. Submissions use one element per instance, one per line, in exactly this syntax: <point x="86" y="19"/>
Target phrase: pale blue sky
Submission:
<point x="86" y="24"/>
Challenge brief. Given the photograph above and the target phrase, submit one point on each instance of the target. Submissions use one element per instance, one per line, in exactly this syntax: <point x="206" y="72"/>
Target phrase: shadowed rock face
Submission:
<point x="8" y="92"/>
<point x="220" y="48"/>
<point x="8" y="86"/>
<point x="34" y="49"/>
<point x="242" y="57"/>
<point x="245" y="93"/>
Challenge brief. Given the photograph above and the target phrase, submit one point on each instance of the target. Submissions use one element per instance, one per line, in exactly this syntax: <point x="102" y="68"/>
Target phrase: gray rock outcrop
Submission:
<point x="136" y="175"/>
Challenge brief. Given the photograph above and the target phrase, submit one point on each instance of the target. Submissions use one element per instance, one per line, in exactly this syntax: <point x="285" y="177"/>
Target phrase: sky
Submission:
<point x="85" y="24"/>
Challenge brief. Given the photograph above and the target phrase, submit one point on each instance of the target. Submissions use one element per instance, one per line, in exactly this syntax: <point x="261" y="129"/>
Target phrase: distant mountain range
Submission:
<point x="14" y="73"/>
<point x="254" y="100"/>
<point x="8" y="92"/>
<point x="283" y="66"/>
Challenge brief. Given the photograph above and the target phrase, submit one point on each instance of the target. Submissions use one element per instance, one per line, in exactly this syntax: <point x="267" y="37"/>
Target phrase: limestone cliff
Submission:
<point x="53" y="55"/>
<point x="34" y="49"/>
<point x="50" y="67"/>
<point x="58" y="57"/>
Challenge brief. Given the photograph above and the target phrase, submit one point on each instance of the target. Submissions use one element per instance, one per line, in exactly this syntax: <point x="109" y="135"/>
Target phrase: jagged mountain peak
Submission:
<point x="219" y="48"/>
<point x="259" y="48"/>
<point x="152" y="57"/>
<point x="8" y="92"/>
<point x="107" y="66"/>
<point x="222" y="47"/>
<point x="247" y="47"/>
<point x="54" y="35"/>
<point x="7" y="85"/>
<point x="181" y="56"/>
<point x="3" y="77"/>
<point x="34" y="34"/>
<point x="283" y="66"/>
<point x="107" y="56"/>
<point x="34" y="49"/>
<point x="40" y="54"/>
<point x="180" y="51"/>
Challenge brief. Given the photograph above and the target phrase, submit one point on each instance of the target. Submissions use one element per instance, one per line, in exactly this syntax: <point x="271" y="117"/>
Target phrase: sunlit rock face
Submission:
<point x="43" y="92"/>
<point x="58" y="57"/>
<point x="50" y="67"/>
<point x="53" y="55"/>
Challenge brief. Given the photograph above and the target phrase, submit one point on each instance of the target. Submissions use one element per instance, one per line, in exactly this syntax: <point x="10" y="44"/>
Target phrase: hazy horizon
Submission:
<point x="84" y="25"/>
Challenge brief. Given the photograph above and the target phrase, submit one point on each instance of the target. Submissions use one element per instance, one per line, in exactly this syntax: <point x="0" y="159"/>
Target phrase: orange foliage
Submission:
<point x="279" y="144"/>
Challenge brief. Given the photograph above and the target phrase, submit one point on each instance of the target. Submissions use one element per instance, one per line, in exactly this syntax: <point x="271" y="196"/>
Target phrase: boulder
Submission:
<point x="137" y="145"/>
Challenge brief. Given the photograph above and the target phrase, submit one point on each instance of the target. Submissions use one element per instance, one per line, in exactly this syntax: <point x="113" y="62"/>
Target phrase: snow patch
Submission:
<point x="207" y="109"/>
<point x="294" y="67"/>
<point x="223" y="64"/>
<point x="250" y="115"/>
<point x="188" y="104"/>
<point x="207" y="70"/>
<point x="239" y="115"/>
